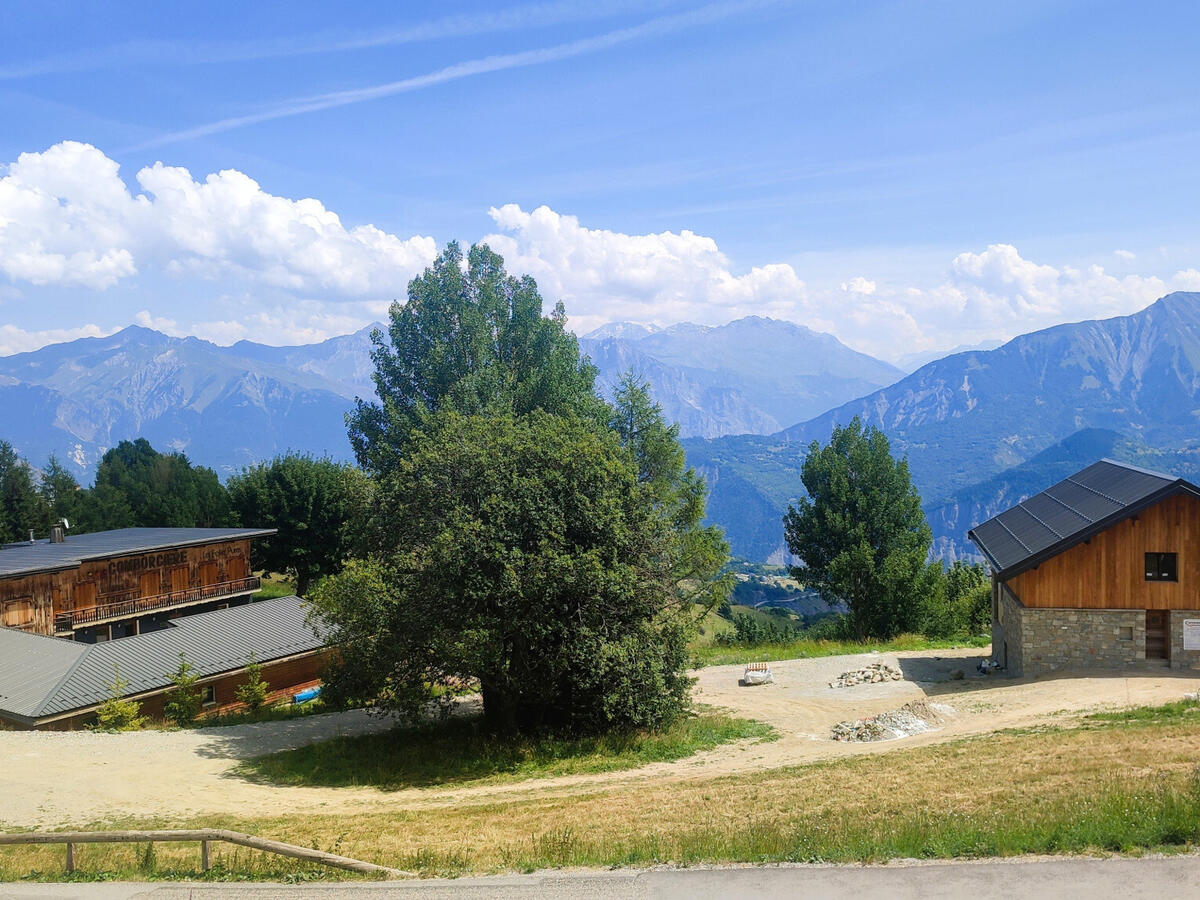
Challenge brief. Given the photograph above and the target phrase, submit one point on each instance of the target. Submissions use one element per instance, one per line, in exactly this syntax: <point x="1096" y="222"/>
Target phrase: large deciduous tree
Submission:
<point x="525" y="534"/>
<point x="471" y="339"/>
<point x="318" y="506"/>
<point x="528" y="556"/>
<point x="861" y="534"/>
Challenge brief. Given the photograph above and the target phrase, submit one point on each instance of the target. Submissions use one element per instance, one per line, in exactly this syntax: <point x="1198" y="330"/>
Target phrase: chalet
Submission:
<point x="112" y="584"/>
<point x="1101" y="570"/>
<point x="76" y="610"/>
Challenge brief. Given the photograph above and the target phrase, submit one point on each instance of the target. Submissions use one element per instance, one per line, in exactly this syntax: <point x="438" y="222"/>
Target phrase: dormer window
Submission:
<point x="1162" y="567"/>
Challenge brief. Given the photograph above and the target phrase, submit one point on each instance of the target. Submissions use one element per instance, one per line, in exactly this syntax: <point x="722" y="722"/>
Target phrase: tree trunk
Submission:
<point x="499" y="707"/>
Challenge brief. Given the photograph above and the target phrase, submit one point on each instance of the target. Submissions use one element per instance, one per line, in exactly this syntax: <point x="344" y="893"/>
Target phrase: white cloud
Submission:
<point x="1127" y="255"/>
<point x="67" y="218"/>
<point x="609" y="276"/>
<point x="18" y="340"/>
<point x="858" y="285"/>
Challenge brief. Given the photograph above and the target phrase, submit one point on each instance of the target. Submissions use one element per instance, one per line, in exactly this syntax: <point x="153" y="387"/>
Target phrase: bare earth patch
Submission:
<point x="79" y="777"/>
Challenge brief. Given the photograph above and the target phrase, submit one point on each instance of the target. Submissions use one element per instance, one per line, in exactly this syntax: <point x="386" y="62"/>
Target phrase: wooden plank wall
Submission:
<point x="125" y="577"/>
<point x="1109" y="571"/>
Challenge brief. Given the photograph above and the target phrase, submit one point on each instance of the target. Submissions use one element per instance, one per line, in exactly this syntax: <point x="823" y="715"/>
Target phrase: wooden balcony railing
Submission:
<point x="136" y="606"/>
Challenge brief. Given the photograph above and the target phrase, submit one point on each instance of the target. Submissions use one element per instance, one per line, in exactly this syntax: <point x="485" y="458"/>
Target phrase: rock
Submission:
<point x="875" y="673"/>
<point x="958" y="674"/>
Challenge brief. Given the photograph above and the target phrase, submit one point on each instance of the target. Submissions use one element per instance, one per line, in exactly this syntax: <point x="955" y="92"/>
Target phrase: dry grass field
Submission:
<point x="1019" y="767"/>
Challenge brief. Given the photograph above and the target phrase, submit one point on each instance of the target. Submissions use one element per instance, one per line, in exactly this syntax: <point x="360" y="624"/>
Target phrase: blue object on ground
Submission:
<point x="305" y="696"/>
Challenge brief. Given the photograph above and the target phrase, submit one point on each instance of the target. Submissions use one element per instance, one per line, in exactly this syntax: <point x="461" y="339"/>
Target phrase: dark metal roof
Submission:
<point x="1069" y="513"/>
<point x="44" y="676"/>
<point x="43" y="556"/>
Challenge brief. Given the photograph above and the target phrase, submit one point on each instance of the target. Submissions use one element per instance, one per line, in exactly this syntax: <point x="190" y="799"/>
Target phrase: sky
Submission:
<point x="908" y="176"/>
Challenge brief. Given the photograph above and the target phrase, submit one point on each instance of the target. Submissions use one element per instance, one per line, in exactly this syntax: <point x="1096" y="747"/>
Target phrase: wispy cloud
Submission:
<point x="538" y="15"/>
<point x="662" y="25"/>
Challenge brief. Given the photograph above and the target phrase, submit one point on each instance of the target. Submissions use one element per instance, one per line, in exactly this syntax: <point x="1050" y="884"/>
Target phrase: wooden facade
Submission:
<point x="123" y="588"/>
<point x="1108" y="571"/>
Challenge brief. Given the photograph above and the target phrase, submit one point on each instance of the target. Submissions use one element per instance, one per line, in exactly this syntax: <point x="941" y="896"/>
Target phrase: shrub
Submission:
<point x="184" y="700"/>
<point x="253" y="691"/>
<point x="750" y="631"/>
<point x="117" y="713"/>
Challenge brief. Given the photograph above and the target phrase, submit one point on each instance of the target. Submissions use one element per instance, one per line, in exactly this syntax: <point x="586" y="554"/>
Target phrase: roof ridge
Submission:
<point x="1166" y="476"/>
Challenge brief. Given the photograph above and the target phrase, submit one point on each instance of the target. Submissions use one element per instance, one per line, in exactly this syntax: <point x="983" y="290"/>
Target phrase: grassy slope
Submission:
<point x="458" y="752"/>
<point x="1122" y="782"/>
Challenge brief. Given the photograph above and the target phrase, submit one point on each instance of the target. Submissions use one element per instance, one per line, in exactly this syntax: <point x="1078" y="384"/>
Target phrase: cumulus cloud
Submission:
<point x="609" y="276"/>
<point x="19" y="340"/>
<point x="67" y="218"/>
<point x="858" y="285"/>
<point x="264" y="267"/>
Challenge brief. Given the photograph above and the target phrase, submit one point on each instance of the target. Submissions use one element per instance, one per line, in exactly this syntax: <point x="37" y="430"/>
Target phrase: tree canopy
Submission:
<point x="319" y="507"/>
<point x="861" y="534"/>
<point x="136" y="486"/>
<point x="471" y="339"/>
<point x="22" y="507"/>
<point x="527" y="555"/>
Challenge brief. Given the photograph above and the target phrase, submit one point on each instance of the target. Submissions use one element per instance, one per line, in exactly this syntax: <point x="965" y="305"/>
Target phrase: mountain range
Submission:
<point x="751" y="376"/>
<point x="227" y="407"/>
<point x="981" y="428"/>
<point x="994" y="417"/>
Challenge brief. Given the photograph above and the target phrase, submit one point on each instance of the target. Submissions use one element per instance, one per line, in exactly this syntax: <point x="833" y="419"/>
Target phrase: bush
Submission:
<point x="184" y="701"/>
<point x="961" y="602"/>
<point x="116" y="713"/>
<point x="750" y="631"/>
<point x="253" y="691"/>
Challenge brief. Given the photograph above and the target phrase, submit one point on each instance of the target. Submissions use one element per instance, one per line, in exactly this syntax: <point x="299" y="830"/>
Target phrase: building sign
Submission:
<point x="142" y="563"/>
<point x="1191" y="634"/>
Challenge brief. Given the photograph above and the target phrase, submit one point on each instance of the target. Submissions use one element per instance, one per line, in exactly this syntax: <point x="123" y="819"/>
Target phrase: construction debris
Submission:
<point x="757" y="673"/>
<point x="912" y="718"/>
<point x="872" y="674"/>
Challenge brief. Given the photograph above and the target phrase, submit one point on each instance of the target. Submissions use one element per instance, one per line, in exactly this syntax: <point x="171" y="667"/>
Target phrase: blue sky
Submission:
<point x="908" y="176"/>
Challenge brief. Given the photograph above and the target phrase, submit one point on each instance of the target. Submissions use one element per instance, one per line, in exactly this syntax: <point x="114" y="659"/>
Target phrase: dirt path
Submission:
<point x="50" y="778"/>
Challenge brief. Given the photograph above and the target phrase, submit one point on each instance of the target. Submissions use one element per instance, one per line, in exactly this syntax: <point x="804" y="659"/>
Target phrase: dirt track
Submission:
<point x="50" y="778"/>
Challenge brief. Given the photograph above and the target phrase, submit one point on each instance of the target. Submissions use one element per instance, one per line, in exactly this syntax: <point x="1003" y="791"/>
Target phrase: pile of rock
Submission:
<point x="912" y="718"/>
<point x="872" y="674"/>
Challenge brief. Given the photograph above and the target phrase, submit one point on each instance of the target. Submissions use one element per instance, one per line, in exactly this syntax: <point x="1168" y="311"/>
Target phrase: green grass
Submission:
<point x="713" y="655"/>
<point x="1167" y="714"/>
<point x="1127" y="818"/>
<point x="274" y="586"/>
<point x="460" y="751"/>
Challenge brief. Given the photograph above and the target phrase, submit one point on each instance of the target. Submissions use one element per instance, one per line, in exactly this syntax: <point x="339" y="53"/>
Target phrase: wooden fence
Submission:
<point x="205" y="836"/>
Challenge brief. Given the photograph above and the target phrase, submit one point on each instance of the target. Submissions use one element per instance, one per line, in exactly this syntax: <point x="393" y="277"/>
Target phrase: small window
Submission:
<point x="1126" y="633"/>
<point x="210" y="695"/>
<point x="1162" y="567"/>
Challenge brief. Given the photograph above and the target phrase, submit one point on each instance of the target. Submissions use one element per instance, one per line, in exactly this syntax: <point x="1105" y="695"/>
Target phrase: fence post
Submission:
<point x="205" y="863"/>
<point x="70" y="858"/>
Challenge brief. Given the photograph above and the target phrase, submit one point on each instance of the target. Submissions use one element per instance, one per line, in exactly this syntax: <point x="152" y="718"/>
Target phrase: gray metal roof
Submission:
<point x="43" y="556"/>
<point x="44" y="676"/>
<point x="1070" y="512"/>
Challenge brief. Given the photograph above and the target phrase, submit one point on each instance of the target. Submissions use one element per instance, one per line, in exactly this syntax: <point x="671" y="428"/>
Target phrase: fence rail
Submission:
<point x="205" y="836"/>
<point x="92" y="614"/>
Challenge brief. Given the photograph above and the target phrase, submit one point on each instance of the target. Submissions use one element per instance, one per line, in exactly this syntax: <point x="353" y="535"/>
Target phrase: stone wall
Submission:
<point x="1054" y="639"/>
<point x="1180" y="658"/>
<point x="1040" y="641"/>
<point x="1006" y="632"/>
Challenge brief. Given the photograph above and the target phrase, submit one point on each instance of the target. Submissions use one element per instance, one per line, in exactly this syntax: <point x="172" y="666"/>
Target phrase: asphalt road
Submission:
<point x="1087" y="879"/>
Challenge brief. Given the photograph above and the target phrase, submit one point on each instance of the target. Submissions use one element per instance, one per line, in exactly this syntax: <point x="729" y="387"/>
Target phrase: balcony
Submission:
<point x="136" y="606"/>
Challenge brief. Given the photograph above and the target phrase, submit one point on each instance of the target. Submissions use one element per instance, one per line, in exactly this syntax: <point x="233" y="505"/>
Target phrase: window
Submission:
<point x="1126" y="633"/>
<point x="1162" y="567"/>
<point x="18" y="613"/>
<point x="210" y="694"/>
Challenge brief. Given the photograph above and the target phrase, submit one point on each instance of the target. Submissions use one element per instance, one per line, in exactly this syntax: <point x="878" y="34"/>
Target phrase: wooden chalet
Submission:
<point x="1101" y="570"/>
<point x="113" y="584"/>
